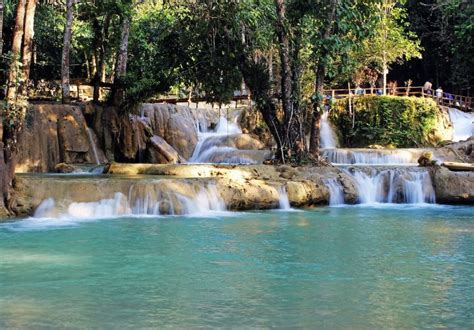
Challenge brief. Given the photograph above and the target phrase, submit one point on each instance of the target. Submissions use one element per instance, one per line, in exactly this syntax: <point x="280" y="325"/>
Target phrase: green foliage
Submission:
<point x="457" y="30"/>
<point x="392" y="41"/>
<point x="446" y="29"/>
<point x="154" y="52"/>
<point x="386" y="120"/>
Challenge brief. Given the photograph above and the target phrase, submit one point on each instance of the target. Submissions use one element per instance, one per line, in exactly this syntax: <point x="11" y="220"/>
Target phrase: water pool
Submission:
<point x="355" y="267"/>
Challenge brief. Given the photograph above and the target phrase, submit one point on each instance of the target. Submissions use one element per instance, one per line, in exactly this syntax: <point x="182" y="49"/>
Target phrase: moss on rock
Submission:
<point x="402" y="122"/>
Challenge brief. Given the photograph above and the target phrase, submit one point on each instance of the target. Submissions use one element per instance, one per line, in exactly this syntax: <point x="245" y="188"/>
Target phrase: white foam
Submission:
<point x="336" y="192"/>
<point x="328" y="136"/>
<point x="283" y="200"/>
<point x="463" y="124"/>
<point x="404" y="186"/>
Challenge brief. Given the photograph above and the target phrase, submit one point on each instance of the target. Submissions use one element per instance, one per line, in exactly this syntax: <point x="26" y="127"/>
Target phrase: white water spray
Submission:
<point x="142" y="200"/>
<point x="283" y="201"/>
<point x="90" y="133"/>
<point x="372" y="156"/>
<point x="328" y="136"/>
<point x="336" y="192"/>
<point x="409" y="186"/>
<point x="463" y="124"/>
<point x="213" y="146"/>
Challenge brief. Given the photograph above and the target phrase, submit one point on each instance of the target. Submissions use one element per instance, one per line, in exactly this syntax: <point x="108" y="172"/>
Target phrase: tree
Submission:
<point x="2" y="8"/>
<point x="13" y="70"/>
<point x="14" y="109"/>
<point x="293" y="136"/>
<point x="321" y="49"/>
<point x="122" y="58"/>
<point x="66" y="52"/>
<point x="28" y="35"/>
<point x="392" y="42"/>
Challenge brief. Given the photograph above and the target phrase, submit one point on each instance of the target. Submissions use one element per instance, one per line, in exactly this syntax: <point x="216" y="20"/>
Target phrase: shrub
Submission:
<point x="387" y="120"/>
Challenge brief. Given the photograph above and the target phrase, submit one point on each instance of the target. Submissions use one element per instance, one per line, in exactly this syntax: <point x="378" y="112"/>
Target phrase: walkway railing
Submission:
<point x="460" y="102"/>
<point x="81" y="90"/>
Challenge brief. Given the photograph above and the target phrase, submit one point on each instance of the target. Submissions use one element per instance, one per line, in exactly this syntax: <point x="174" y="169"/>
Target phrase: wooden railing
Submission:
<point x="461" y="102"/>
<point x="82" y="90"/>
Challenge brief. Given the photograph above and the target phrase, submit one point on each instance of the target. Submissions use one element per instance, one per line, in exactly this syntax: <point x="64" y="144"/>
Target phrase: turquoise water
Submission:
<point x="332" y="268"/>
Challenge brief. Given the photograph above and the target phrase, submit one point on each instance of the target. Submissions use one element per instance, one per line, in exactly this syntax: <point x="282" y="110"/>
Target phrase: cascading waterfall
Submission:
<point x="212" y="147"/>
<point x="336" y="192"/>
<point x="463" y="124"/>
<point x="372" y="156"/>
<point x="328" y="136"/>
<point x="405" y="186"/>
<point x="283" y="200"/>
<point x="142" y="200"/>
<point x="90" y="133"/>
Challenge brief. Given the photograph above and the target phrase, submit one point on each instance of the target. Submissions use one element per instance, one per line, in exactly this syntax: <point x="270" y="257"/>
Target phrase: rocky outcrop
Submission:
<point x="55" y="134"/>
<point x="239" y="187"/>
<point x="162" y="153"/>
<point x="176" y="125"/>
<point x="453" y="187"/>
<point x="305" y="185"/>
<point x="458" y="151"/>
<point x="128" y="138"/>
<point x="252" y="123"/>
<point x="238" y="141"/>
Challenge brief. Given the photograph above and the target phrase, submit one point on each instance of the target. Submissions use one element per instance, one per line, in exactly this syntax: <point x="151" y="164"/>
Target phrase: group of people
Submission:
<point x="440" y="94"/>
<point x="428" y="89"/>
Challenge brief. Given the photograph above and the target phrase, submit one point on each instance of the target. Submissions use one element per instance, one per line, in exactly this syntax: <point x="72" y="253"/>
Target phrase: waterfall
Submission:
<point x="225" y="127"/>
<point x="403" y="186"/>
<point x="336" y="192"/>
<point x="142" y="200"/>
<point x="90" y="133"/>
<point x="212" y="147"/>
<point x="372" y="156"/>
<point x="283" y="200"/>
<point x="463" y="124"/>
<point x="328" y="137"/>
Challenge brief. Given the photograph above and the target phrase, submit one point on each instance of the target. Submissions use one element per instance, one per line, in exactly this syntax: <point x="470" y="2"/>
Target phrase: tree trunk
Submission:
<point x="14" y="119"/>
<point x="27" y="52"/>
<point x="255" y="74"/>
<point x="316" y="118"/>
<point x="2" y="7"/>
<point x="66" y="50"/>
<point x="121" y="65"/>
<point x="314" y="143"/>
<point x="284" y="42"/>
<point x="101" y="46"/>
<point x="93" y="64"/>
<point x="293" y="139"/>
<point x="13" y="69"/>
<point x="88" y="66"/>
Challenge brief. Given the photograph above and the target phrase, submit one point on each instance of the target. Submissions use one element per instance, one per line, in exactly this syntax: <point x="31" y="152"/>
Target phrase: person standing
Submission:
<point x="439" y="93"/>
<point x="427" y="87"/>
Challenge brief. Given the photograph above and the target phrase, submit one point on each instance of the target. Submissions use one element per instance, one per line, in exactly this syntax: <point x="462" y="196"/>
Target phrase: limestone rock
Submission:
<point x="453" y="187"/>
<point x="175" y="124"/>
<point x="54" y="134"/>
<point x="426" y="159"/>
<point x="181" y="134"/>
<point x="64" y="168"/>
<point x="162" y="153"/>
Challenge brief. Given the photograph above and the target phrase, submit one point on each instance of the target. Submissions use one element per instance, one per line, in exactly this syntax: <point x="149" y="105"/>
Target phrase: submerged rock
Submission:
<point x="64" y="168"/>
